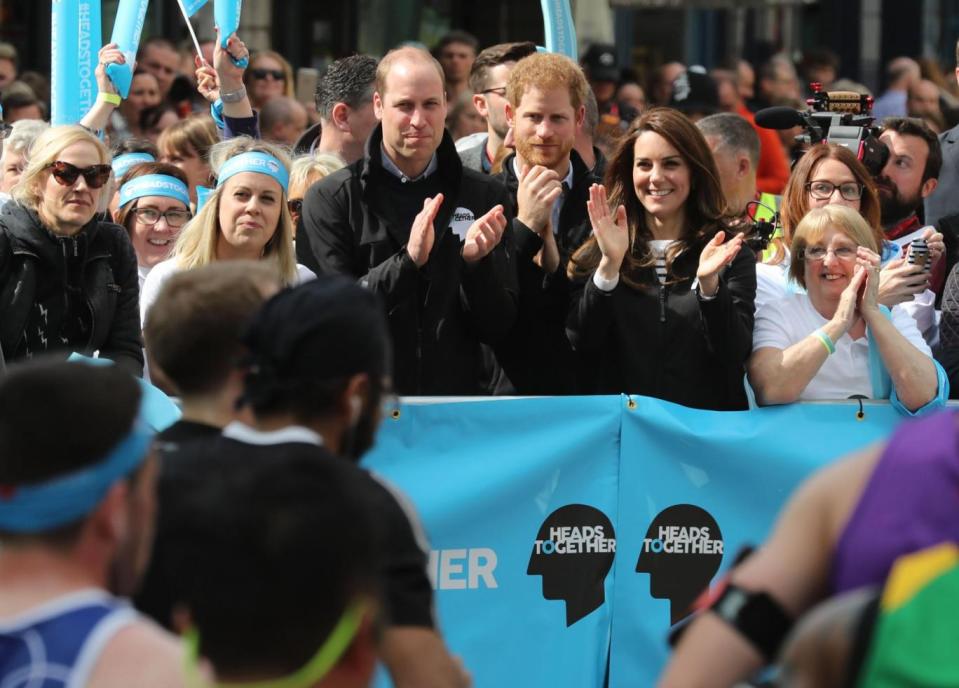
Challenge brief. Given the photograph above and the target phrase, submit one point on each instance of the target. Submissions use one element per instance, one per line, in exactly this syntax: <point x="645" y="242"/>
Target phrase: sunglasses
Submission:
<point x="260" y="74"/>
<point x="67" y="174"/>
<point x="295" y="205"/>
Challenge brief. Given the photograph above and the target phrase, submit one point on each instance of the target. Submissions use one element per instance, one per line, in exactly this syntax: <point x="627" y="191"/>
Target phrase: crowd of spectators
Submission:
<point x="461" y="222"/>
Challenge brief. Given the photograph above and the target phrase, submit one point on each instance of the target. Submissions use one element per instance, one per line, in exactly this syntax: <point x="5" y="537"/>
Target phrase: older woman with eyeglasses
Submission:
<point x="836" y="340"/>
<point x="68" y="282"/>
<point x="831" y="174"/>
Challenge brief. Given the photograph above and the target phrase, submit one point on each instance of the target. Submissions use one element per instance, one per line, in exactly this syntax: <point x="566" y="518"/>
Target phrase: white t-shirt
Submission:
<point x="773" y="283"/>
<point x="782" y="323"/>
<point x="161" y="272"/>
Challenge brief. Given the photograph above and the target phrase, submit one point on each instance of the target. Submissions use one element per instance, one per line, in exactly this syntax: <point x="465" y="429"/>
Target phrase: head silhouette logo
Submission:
<point x="681" y="553"/>
<point x="573" y="552"/>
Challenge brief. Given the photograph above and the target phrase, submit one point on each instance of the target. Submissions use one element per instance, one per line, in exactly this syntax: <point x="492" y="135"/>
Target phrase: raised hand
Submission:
<point x="868" y="261"/>
<point x="539" y="187"/>
<point x="936" y="243"/>
<point x="715" y="256"/>
<point x="484" y="234"/>
<point x="611" y="232"/>
<point x="109" y="54"/>
<point x="421" y="233"/>
<point x="847" y="312"/>
<point x="230" y="76"/>
<point x="207" y="82"/>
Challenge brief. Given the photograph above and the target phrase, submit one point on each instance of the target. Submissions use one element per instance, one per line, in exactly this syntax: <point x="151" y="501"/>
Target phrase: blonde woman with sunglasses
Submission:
<point x="68" y="281"/>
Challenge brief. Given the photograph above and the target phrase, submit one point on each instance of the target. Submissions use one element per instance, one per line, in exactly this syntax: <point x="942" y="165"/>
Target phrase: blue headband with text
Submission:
<point x="255" y="161"/>
<point x="68" y="498"/>
<point x="122" y="163"/>
<point x="154" y="185"/>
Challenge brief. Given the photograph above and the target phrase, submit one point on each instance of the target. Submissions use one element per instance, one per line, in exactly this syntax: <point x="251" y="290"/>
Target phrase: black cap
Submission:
<point x="324" y="329"/>
<point x="600" y="63"/>
<point x="694" y="92"/>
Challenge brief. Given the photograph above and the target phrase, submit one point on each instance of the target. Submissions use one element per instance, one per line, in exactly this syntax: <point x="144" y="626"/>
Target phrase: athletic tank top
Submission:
<point x="910" y="502"/>
<point x="57" y="644"/>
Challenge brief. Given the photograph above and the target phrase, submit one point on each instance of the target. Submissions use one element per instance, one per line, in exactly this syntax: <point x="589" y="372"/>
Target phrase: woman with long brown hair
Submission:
<point x="664" y="306"/>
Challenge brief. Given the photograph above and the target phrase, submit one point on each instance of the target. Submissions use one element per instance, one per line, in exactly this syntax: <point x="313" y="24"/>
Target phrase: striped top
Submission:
<point x="659" y="248"/>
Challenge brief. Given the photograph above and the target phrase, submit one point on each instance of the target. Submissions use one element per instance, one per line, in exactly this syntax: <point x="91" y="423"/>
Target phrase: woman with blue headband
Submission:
<point x="244" y="218"/>
<point x="154" y="202"/>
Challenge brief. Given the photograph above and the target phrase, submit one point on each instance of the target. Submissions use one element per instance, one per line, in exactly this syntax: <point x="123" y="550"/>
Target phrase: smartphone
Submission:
<point x="919" y="254"/>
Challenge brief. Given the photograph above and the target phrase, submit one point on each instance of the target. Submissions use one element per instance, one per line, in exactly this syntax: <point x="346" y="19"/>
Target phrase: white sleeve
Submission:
<point x="303" y="274"/>
<point x="923" y="310"/>
<point x="151" y="287"/>
<point x="770" y="284"/>
<point x="772" y="326"/>
<point x="907" y="327"/>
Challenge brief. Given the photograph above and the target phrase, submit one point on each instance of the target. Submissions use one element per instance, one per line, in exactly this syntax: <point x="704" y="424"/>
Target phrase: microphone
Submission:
<point x="779" y="117"/>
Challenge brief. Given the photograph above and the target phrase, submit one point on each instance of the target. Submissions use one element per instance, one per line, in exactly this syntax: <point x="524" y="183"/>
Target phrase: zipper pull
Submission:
<point x="662" y="303"/>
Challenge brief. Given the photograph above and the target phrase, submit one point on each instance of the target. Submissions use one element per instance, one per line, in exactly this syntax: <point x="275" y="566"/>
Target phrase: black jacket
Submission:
<point x="438" y="314"/>
<point x="665" y="341"/>
<point x="97" y="265"/>
<point x="537" y="357"/>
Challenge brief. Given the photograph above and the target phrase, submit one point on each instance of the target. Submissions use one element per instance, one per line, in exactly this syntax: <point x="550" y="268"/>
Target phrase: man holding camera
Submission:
<point x="909" y="176"/>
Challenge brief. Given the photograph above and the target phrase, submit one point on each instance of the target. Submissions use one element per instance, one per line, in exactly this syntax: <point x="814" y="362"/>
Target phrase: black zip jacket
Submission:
<point x="537" y="357"/>
<point x="665" y="341"/>
<point x="438" y="314"/>
<point x="96" y="270"/>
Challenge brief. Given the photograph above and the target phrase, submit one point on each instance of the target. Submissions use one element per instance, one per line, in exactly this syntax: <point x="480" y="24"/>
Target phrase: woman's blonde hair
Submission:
<point x="814" y="225"/>
<point x="196" y="245"/>
<point x="44" y="151"/>
<point x="309" y="169"/>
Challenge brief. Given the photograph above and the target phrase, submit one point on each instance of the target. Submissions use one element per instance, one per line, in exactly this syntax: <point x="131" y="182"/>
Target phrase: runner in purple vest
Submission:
<point x="843" y="529"/>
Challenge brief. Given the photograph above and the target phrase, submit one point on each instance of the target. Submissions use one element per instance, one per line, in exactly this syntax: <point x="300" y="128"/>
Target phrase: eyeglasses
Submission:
<point x="817" y="253"/>
<point x="260" y="74"/>
<point x="173" y="217"/>
<point x="295" y="205"/>
<point x="499" y="90"/>
<point x="822" y="191"/>
<point x="67" y="174"/>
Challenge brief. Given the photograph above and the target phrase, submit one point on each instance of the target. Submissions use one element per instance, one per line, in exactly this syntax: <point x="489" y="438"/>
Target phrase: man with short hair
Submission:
<point x="911" y="174"/>
<point x="901" y="74"/>
<point x="735" y="148"/>
<point x="420" y="231"/>
<point x="319" y="368"/>
<point x="344" y="102"/>
<point x="160" y="57"/>
<point x="299" y="547"/>
<point x="550" y="183"/>
<point x="456" y="52"/>
<point x="8" y="65"/>
<point x="585" y="143"/>
<point x="778" y="82"/>
<point x="192" y="335"/>
<point x="76" y="522"/>
<point x="19" y="102"/>
<point x="922" y="101"/>
<point x="16" y="147"/>
<point x="283" y="120"/>
<point x="488" y="82"/>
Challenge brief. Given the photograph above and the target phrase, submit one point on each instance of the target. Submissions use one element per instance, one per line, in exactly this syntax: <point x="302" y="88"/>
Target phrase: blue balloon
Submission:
<point x="127" y="28"/>
<point x="75" y="38"/>
<point x="226" y="15"/>
<point x="559" y="29"/>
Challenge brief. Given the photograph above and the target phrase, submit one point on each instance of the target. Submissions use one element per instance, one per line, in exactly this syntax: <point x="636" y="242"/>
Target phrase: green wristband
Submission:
<point x="826" y="341"/>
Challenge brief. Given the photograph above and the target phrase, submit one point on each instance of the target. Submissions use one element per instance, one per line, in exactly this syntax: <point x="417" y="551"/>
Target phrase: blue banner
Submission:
<point x="75" y="40"/>
<point x="560" y="527"/>
<point x="559" y="29"/>
<point x="127" y="28"/>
